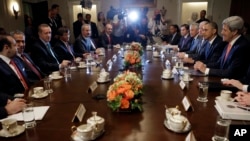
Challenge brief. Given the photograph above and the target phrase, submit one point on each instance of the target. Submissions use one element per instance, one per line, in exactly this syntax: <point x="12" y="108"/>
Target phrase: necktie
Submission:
<point x="183" y="42"/>
<point x="68" y="47"/>
<point x="227" y="52"/>
<point x="20" y="75"/>
<point x="109" y="39"/>
<point x="31" y="66"/>
<point x="51" y="52"/>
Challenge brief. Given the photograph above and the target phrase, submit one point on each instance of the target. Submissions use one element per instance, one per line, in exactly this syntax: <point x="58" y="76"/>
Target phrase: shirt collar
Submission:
<point x="211" y="41"/>
<point x="5" y="59"/>
<point x="234" y="40"/>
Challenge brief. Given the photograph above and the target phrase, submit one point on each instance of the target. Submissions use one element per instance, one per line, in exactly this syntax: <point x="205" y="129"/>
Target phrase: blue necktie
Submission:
<point x="51" y="52"/>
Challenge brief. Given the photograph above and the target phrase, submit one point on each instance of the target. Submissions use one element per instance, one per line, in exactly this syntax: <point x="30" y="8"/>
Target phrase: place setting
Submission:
<point x="56" y="75"/>
<point x="82" y="65"/>
<point x="167" y="74"/>
<point x="175" y="121"/>
<point x="225" y="95"/>
<point x="39" y="92"/>
<point x="90" y="131"/>
<point x="103" y="76"/>
<point x="10" y="128"/>
<point x="186" y="77"/>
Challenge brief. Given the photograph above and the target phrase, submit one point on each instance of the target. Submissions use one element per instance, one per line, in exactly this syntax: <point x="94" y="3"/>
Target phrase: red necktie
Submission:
<point x="109" y="39"/>
<point x="31" y="66"/>
<point x="20" y="75"/>
<point x="228" y="50"/>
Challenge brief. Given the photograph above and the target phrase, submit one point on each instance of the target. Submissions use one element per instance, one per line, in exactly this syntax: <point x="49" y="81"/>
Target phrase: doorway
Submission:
<point x="189" y="8"/>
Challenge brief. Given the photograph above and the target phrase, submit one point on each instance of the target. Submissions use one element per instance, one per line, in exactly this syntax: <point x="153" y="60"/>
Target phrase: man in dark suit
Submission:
<point x="235" y="58"/>
<point x="213" y="47"/>
<point x="13" y="78"/>
<point x="33" y="72"/>
<point x="77" y="25"/>
<point x="9" y="105"/>
<point x="185" y="41"/>
<point x="83" y="44"/>
<point x="42" y="53"/>
<point x="175" y="36"/>
<point x="62" y="47"/>
<point x="106" y="38"/>
<point x="94" y="30"/>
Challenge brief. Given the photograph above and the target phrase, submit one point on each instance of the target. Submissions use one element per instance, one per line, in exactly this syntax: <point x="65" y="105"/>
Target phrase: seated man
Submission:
<point x="213" y="48"/>
<point x="185" y="41"/>
<point x="174" y="36"/>
<point x="9" y="105"/>
<point x="83" y="44"/>
<point x="235" y="58"/>
<point x="33" y="72"/>
<point x="13" y="78"/>
<point x="42" y="53"/>
<point x="62" y="47"/>
<point x="106" y="38"/>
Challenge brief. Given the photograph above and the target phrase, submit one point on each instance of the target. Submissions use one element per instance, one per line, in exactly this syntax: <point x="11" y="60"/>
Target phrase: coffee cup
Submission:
<point x="171" y="112"/>
<point x="225" y="94"/>
<point x="38" y="90"/>
<point x="84" y="131"/>
<point x="55" y="73"/>
<point x="9" y="125"/>
<point x="177" y="122"/>
<point x="103" y="76"/>
<point x="155" y="53"/>
<point x="167" y="73"/>
<point x="97" y="123"/>
<point x="81" y="64"/>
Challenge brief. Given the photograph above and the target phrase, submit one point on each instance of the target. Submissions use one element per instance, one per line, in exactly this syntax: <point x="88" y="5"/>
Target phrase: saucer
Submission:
<point x="42" y="95"/>
<point x="82" y="67"/>
<point x="169" y="78"/>
<point x="76" y="137"/>
<point x="224" y="79"/>
<point x="157" y="56"/>
<point x="190" y="79"/>
<point x="74" y="67"/>
<point x="219" y="98"/>
<point x="20" y="129"/>
<point x="57" y="77"/>
<point x="98" y="81"/>
<point x="185" y="130"/>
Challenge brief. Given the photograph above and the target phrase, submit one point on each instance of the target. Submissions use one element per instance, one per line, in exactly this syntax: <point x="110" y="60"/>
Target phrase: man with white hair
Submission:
<point x="235" y="58"/>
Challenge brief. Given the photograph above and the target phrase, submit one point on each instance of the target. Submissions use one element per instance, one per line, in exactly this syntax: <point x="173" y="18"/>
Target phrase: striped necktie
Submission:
<point x="20" y="75"/>
<point x="51" y="52"/>
<point x="31" y="66"/>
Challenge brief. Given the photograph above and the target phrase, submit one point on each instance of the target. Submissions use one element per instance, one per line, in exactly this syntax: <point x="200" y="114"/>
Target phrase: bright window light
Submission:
<point x="133" y="16"/>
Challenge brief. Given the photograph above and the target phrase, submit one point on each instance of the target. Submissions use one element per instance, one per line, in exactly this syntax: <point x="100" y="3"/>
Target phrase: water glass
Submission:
<point x="203" y="91"/>
<point x="67" y="72"/>
<point x="48" y="85"/>
<point x="221" y="129"/>
<point x="29" y="116"/>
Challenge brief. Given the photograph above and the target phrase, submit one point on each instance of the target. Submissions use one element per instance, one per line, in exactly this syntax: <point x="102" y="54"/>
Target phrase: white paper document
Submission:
<point x="232" y="110"/>
<point x="38" y="111"/>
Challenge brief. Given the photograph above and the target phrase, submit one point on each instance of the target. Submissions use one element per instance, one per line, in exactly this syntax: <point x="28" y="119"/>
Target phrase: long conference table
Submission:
<point x="122" y="126"/>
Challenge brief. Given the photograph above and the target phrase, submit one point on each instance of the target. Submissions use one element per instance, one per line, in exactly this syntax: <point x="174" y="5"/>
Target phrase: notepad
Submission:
<point x="38" y="111"/>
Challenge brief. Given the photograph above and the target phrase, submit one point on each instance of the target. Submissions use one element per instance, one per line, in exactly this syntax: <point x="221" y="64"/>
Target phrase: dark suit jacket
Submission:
<point x="63" y="53"/>
<point x="175" y="40"/>
<point x="212" y="53"/>
<point x="31" y="75"/>
<point x="77" y="25"/>
<point x="3" y="101"/>
<point x="236" y="64"/>
<point x="9" y="81"/>
<point x="194" y="45"/>
<point x="82" y="45"/>
<point x="184" y="44"/>
<point x="104" y="41"/>
<point x="94" y="30"/>
<point x="43" y="59"/>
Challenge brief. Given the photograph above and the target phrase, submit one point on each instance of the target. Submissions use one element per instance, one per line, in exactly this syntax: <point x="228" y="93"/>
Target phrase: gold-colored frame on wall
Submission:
<point x="138" y="3"/>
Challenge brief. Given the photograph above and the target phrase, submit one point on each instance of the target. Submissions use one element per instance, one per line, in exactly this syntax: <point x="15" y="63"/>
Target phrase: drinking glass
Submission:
<point x="67" y="72"/>
<point x="203" y="91"/>
<point x="29" y="116"/>
<point x="48" y="85"/>
<point x="221" y="129"/>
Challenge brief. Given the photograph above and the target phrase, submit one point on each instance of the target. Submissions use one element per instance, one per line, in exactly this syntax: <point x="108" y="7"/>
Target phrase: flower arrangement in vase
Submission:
<point x="125" y="93"/>
<point x="132" y="59"/>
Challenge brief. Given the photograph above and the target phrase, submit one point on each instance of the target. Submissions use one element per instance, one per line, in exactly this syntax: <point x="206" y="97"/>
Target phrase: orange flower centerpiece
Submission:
<point x="136" y="47"/>
<point x="132" y="59"/>
<point x="125" y="93"/>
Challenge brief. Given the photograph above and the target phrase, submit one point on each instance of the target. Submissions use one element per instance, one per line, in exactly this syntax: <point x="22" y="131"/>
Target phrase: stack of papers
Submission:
<point x="38" y="111"/>
<point x="232" y="110"/>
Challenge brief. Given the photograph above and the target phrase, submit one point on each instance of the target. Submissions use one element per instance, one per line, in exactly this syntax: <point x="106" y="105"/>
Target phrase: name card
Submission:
<point x="114" y="57"/>
<point x="79" y="114"/>
<point x="190" y="137"/>
<point x="182" y="84"/>
<point x="108" y="62"/>
<point x="186" y="103"/>
<point x="92" y="87"/>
